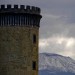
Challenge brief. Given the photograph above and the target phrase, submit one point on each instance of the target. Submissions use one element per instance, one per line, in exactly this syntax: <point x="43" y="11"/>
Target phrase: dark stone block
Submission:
<point x="8" y="6"/>
<point x="22" y="6"/>
<point x="2" y="6"/>
<point x="15" y="6"/>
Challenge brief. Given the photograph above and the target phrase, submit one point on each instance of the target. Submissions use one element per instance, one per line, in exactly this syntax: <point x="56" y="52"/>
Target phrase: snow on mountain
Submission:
<point x="52" y="63"/>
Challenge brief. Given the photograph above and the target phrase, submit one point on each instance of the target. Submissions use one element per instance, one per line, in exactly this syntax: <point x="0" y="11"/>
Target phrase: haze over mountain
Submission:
<point x="54" y="64"/>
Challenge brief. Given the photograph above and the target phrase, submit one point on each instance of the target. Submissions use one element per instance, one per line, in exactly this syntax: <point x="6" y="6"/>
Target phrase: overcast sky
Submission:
<point x="57" y="27"/>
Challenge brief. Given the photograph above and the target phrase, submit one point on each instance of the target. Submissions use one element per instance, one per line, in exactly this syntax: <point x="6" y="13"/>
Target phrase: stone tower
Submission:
<point x="19" y="33"/>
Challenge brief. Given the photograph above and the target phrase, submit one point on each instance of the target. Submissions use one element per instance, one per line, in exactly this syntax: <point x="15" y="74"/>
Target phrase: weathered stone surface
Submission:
<point x="17" y="51"/>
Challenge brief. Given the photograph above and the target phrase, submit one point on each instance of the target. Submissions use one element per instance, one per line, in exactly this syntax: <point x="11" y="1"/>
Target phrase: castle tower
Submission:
<point x="19" y="33"/>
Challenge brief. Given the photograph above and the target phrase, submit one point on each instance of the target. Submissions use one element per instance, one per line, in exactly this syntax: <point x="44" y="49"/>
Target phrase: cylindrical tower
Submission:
<point x="19" y="33"/>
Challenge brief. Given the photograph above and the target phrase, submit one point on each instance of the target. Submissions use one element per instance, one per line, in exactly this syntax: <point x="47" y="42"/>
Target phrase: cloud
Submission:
<point x="57" y="24"/>
<point x="58" y="44"/>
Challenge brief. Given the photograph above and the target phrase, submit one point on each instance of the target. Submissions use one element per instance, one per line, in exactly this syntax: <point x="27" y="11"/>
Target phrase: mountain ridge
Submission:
<point x="53" y="54"/>
<point x="55" y="63"/>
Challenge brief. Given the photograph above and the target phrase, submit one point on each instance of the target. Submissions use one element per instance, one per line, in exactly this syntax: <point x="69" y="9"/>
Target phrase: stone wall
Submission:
<point x="17" y="50"/>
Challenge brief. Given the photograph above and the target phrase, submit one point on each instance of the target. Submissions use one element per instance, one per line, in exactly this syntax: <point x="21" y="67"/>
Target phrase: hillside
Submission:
<point x="54" y="64"/>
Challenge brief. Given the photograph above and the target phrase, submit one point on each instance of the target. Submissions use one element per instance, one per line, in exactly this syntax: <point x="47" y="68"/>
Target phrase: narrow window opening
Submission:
<point x="34" y="65"/>
<point x="34" y="38"/>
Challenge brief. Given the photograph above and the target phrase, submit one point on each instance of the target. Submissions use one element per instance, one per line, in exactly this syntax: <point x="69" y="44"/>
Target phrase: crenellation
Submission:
<point x="33" y="8"/>
<point x="2" y="6"/>
<point x="8" y="6"/>
<point x="19" y="16"/>
<point x="39" y="11"/>
<point x="27" y="7"/>
<point x="15" y="6"/>
<point x="22" y="8"/>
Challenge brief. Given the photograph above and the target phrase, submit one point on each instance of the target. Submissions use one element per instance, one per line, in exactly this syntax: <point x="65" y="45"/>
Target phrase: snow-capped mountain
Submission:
<point x="54" y="64"/>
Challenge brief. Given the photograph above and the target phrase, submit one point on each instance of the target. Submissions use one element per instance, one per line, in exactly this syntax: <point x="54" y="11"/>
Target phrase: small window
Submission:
<point x="34" y="65"/>
<point x="34" y="38"/>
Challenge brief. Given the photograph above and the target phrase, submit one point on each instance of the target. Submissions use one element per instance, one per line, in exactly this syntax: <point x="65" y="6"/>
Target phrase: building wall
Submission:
<point x="17" y="50"/>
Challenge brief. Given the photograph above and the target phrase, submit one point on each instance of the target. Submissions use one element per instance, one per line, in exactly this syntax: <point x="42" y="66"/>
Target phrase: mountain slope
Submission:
<point x="54" y="64"/>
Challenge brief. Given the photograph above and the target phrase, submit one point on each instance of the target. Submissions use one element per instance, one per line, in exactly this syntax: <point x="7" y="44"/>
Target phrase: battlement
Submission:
<point x="19" y="15"/>
<point x="19" y="9"/>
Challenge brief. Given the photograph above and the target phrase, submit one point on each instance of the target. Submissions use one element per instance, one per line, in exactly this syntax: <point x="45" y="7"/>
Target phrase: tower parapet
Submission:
<point x="19" y="16"/>
<point x="19" y="34"/>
